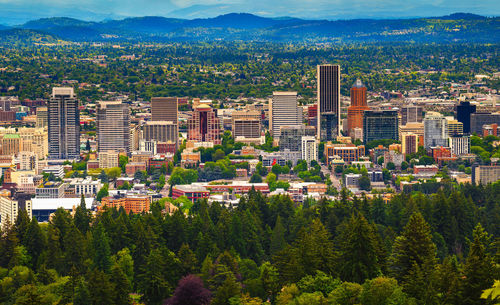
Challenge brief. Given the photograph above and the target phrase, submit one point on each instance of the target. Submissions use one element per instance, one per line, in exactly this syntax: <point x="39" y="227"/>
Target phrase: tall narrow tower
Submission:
<point x="113" y="126"/>
<point x="358" y="106"/>
<point x="64" y="125"/>
<point x="164" y="109"/>
<point x="328" y="102"/>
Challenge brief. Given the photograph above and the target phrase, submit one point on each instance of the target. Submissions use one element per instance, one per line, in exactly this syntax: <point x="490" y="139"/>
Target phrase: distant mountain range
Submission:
<point x="460" y="27"/>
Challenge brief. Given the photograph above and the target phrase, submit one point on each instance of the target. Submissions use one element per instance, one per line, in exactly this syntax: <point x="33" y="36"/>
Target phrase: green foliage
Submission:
<point x="183" y="176"/>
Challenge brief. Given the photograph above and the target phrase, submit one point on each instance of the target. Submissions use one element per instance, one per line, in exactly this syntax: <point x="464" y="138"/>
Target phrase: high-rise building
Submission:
<point x="415" y="128"/>
<point x="380" y="124"/>
<point x="357" y="108"/>
<point x="9" y="209"/>
<point x="485" y="174"/>
<point x="164" y="109"/>
<point x="246" y="124"/>
<point x="161" y="131"/>
<point x="291" y="137"/>
<point x="460" y="145"/>
<point x="328" y="102"/>
<point x="203" y="125"/>
<point x="284" y="112"/>
<point x="409" y="143"/>
<point x="479" y="119"/>
<point x="108" y="159"/>
<point x="64" y="125"/>
<point x="135" y="136"/>
<point x="309" y="149"/>
<point x="41" y="117"/>
<point x="28" y="160"/>
<point x="411" y="114"/>
<point x="246" y="128"/>
<point x="464" y="111"/>
<point x="455" y="128"/>
<point x="435" y="130"/>
<point x="113" y="126"/>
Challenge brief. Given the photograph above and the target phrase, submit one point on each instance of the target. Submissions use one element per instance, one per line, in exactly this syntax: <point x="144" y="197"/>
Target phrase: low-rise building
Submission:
<point x="484" y="174"/>
<point x="347" y="152"/>
<point x="51" y="190"/>
<point x="130" y="203"/>
<point x="192" y="192"/>
<point x="86" y="187"/>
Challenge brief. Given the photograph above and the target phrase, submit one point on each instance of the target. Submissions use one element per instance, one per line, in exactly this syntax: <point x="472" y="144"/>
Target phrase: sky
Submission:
<point x="18" y="11"/>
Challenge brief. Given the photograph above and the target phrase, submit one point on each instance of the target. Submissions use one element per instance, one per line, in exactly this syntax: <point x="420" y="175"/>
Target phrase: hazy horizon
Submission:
<point x="19" y="11"/>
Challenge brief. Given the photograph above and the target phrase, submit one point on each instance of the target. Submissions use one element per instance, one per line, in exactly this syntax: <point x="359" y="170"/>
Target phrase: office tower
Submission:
<point x="135" y="136"/>
<point x="435" y="130"/>
<point x="246" y="124"/>
<point x="415" y="128"/>
<point x="9" y="209"/>
<point x="5" y="103"/>
<point x="109" y="159"/>
<point x="312" y="115"/>
<point x="485" y="174"/>
<point x="64" y="125"/>
<point x="41" y="117"/>
<point x="164" y="109"/>
<point x="11" y="144"/>
<point x="328" y="102"/>
<point x="411" y="114"/>
<point x="409" y="143"/>
<point x="161" y="131"/>
<point x="28" y="160"/>
<point x="284" y="112"/>
<point x="35" y="140"/>
<point x="113" y="126"/>
<point x="309" y="149"/>
<point x="379" y="125"/>
<point x="357" y="108"/>
<point x="246" y="128"/>
<point x="460" y="145"/>
<point x="464" y="111"/>
<point x="490" y="130"/>
<point x="291" y="136"/>
<point x="203" y="125"/>
<point x="479" y="119"/>
<point x="455" y="128"/>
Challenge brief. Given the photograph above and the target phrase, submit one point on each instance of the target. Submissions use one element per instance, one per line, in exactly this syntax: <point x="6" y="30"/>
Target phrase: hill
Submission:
<point x="460" y="27"/>
<point x="24" y="36"/>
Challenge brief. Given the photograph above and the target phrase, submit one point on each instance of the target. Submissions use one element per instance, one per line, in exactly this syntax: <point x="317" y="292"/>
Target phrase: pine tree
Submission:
<point x="21" y="225"/>
<point x="102" y="252"/>
<point x="413" y="259"/>
<point x="278" y="242"/>
<point x="82" y="216"/>
<point x="188" y="260"/>
<point x="358" y="259"/>
<point x="100" y="287"/>
<point x="230" y="288"/>
<point x="35" y="242"/>
<point x="478" y="269"/>
<point x="122" y="286"/>
<point x="74" y="250"/>
<point x="8" y="244"/>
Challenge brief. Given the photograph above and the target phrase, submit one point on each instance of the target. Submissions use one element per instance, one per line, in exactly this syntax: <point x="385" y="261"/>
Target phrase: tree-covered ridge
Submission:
<point x="248" y="27"/>
<point x="414" y="249"/>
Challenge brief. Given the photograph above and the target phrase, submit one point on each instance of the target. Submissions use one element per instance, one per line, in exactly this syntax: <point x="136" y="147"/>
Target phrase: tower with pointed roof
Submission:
<point x="357" y="108"/>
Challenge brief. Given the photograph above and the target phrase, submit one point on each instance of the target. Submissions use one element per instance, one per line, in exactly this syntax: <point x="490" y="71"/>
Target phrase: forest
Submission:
<point x="414" y="249"/>
<point x="232" y="70"/>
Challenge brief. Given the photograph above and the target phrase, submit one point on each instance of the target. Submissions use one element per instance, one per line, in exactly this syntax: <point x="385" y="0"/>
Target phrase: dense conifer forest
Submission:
<point x="415" y="249"/>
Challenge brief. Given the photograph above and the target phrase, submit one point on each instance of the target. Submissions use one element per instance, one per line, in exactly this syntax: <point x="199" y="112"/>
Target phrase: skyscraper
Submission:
<point x="203" y="125"/>
<point x="161" y="131"/>
<point x="358" y="106"/>
<point x="64" y="124"/>
<point x="113" y="126"/>
<point x="411" y="114"/>
<point x="380" y="125"/>
<point x="479" y="119"/>
<point x="435" y="130"/>
<point x="464" y="111"/>
<point x="164" y="109"/>
<point x="284" y="112"/>
<point x="328" y="101"/>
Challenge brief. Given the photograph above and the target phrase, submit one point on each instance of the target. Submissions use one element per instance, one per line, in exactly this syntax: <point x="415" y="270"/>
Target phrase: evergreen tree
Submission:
<point x="102" y="252"/>
<point x="82" y="216"/>
<point x="8" y="244"/>
<point x="74" y="250"/>
<point x="478" y="270"/>
<point x="358" y="257"/>
<point x="152" y="280"/>
<point x="21" y="225"/>
<point x="82" y="294"/>
<point x="413" y="259"/>
<point x="100" y="287"/>
<point x="35" y="242"/>
<point x="188" y="260"/>
<point x="122" y="286"/>
<point x="230" y="288"/>
<point x="278" y="242"/>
